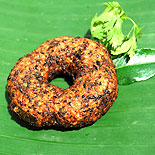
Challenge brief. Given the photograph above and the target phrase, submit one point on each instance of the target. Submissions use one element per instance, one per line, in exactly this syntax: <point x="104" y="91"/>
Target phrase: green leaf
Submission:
<point x="140" y="67"/>
<point x="107" y="29"/>
<point x="128" y="127"/>
<point x="104" y="24"/>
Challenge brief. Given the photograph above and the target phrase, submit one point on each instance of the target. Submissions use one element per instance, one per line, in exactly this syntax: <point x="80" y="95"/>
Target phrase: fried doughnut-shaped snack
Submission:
<point x="40" y="103"/>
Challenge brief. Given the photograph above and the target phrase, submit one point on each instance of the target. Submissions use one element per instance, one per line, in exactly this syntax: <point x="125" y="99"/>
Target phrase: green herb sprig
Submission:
<point x="107" y="29"/>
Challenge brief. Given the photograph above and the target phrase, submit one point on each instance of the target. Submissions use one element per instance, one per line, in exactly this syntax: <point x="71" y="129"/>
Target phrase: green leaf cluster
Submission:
<point x="107" y="29"/>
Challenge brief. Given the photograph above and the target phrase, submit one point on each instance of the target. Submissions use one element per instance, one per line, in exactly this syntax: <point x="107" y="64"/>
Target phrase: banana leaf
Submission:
<point x="127" y="128"/>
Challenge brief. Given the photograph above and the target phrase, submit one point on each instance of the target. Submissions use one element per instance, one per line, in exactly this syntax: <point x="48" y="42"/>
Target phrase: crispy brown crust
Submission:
<point x="42" y="104"/>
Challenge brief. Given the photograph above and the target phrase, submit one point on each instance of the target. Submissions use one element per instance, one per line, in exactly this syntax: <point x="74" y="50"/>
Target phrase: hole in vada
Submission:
<point x="62" y="80"/>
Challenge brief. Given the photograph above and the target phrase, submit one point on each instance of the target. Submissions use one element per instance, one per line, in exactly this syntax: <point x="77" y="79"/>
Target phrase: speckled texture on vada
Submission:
<point x="39" y="103"/>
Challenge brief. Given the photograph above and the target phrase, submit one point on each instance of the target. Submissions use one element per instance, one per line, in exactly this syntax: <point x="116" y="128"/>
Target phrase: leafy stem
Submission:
<point x="107" y="29"/>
